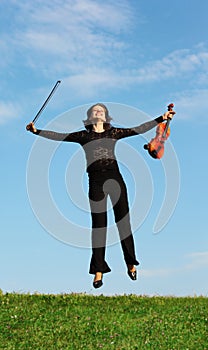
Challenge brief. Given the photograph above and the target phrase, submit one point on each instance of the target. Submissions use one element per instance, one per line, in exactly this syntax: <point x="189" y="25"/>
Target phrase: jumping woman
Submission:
<point x="98" y="140"/>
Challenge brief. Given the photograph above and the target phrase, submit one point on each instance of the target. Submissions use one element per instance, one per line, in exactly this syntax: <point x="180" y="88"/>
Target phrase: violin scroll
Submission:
<point x="170" y="106"/>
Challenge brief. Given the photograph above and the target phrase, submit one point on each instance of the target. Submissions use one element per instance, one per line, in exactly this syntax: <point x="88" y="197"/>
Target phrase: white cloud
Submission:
<point x="88" y="82"/>
<point x="8" y="111"/>
<point x="180" y="65"/>
<point x="183" y="65"/>
<point x="106" y="15"/>
<point x="192" y="104"/>
<point x="198" y="260"/>
<point x="69" y="37"/>
<point x="83" y="43"/>
<point x="156" y="273"/>
<point x="77" y="34"/>
<point x="177" y="64"/>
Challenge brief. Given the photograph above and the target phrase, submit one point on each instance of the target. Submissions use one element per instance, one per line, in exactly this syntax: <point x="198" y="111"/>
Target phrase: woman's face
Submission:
<point x="98" y="114"/>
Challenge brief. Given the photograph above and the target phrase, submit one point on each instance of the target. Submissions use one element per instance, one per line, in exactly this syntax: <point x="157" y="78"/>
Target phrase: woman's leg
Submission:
<point x="98" y="204"/>
<point x="122" y="218"/>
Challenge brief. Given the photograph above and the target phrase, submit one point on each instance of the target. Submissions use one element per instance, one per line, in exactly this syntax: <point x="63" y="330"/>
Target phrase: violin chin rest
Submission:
<point x="154" y="154"/>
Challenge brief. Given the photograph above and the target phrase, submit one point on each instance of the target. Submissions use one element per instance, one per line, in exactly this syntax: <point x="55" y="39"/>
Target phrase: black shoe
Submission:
<point x="98" y="284"/>
<point x="132" y="275"/>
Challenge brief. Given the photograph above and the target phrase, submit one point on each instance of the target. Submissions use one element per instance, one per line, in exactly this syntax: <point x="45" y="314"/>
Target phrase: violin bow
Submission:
<point x="46" y="101"/>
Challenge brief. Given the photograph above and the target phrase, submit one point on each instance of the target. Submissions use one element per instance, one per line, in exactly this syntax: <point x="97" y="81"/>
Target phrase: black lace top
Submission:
<point x="100" y="147"/>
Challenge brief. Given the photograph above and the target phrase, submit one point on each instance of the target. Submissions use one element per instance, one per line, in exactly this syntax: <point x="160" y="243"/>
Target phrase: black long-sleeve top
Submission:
<point x="99" y="147"/>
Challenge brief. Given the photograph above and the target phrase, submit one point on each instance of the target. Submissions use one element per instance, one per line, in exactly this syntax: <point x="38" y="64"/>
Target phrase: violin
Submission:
<point x="156" y="146"/>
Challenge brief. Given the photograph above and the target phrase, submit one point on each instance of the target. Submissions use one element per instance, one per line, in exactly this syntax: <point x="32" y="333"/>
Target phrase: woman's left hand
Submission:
<point x="168" y="115"/>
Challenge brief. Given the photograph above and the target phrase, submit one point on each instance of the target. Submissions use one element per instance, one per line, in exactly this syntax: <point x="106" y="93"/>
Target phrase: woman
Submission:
<point x="98" y="141"/>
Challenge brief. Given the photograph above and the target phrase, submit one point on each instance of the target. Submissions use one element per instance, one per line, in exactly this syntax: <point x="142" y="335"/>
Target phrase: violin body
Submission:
<point x="156" y="146"/>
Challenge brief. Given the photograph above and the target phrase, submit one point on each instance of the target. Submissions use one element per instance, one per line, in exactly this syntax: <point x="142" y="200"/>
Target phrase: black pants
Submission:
<point x="102" y="184"/>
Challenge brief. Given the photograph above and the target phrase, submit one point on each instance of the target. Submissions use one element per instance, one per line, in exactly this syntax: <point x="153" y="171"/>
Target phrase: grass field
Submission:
<point x="81" y="321"/>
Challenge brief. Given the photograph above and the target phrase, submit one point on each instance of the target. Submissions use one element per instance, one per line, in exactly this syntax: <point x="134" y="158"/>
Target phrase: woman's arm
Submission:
<point x="56" y="136"/>
<point x="141" y="129"/>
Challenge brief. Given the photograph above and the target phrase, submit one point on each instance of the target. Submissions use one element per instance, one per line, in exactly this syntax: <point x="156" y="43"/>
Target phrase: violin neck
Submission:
<point x="166" y="127"/>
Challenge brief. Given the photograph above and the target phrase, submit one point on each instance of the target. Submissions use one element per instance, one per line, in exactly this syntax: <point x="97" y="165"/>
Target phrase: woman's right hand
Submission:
<point x="31" y="127"/>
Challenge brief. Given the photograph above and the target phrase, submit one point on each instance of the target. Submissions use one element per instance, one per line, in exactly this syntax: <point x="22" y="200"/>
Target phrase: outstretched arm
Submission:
<point x="56" y="136"/>
<point x="142" y="128"/>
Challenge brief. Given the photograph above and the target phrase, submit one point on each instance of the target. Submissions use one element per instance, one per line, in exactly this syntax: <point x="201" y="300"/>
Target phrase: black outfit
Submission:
<point x="105" y="179"/>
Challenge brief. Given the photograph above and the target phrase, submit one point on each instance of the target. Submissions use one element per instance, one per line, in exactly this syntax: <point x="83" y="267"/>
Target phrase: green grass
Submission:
<point x="80" y="321"/>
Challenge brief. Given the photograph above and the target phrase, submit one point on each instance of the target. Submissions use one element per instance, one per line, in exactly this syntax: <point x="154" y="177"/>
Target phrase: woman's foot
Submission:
<point x="97" y="283"/>
<point x="132" y="272"/>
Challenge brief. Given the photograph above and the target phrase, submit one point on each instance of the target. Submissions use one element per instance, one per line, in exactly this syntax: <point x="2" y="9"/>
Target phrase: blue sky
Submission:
<point x="136" y="57"/>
